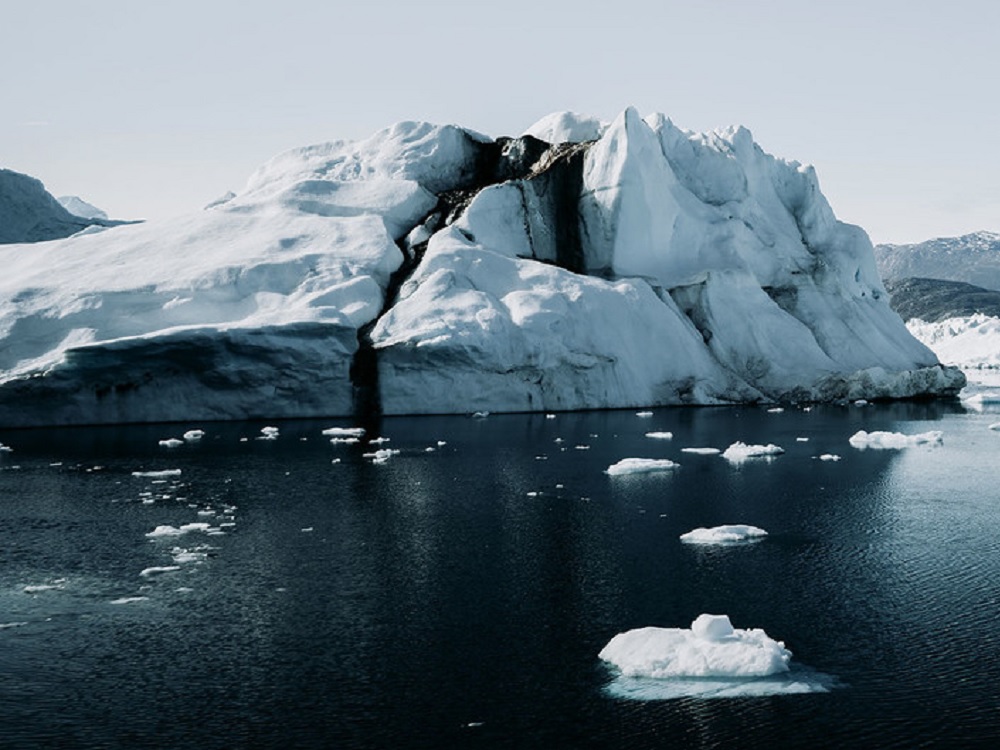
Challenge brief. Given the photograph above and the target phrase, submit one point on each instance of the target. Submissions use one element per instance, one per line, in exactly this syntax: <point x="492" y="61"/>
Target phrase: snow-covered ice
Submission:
<point x="644" y="414"/>
<point x="158" y="570"/>
<point x="640" y="466"/>
<point x="726" y="534"/>
<point x="711" y="647"/>
<point x="660" y="435"/>
<point x="344" y="432"/>
<point x="168" y="531"/>
<point x="193" y="436"/>
<point x="740" y="451"/>
<point x="829" y="457"/>
<point x="702" y="451"/>
<point x="894" y="440"/>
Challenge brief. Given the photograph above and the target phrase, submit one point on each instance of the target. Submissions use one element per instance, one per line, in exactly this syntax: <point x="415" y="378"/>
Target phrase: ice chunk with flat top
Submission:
<point x="894" y="440"/>
<point x="193" y="436"/>
<point x="660" y="435"/>
<point x="740" y="451"/>
<point x="726" y="534"/>
<point x="171" y="443"/>
<point x="640" y="466"/>
<point x="711" y="647"/>
<point x="344" y="432"/>
<point x="158" y="474"/>
<point x="702" y="451"/>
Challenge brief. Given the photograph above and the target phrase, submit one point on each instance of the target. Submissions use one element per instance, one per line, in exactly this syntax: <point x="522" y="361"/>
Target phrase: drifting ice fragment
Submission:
<point x="995" y="426"/>
<point x="891" y="440"/>
<point x="660" y="435"/>
<point x="640" y="466"/>
<point x="193" y="436"/>
<point x="702" y="451"/>
<point x="644" y="414"/>
<point x="727" y="534"/>
<point x="342" y="432"/>
<point x="268" y="433"/>
<point x="739" y="451"/>
<point x="171" y="443"/>
<point x="130" y="599"/>
<point x="167" y="530"/>
<point x="710" y="648"/>
<point x="829" y="457"/>
<point x="158" y="474"/>
<point x="158" y="569"/>
<point x="775" y="410"/>
<point x="5" y="448"/>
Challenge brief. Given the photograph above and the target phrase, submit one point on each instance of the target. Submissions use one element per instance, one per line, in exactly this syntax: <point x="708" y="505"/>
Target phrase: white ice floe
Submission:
<point x="726" y="534"/>
<point x="5" y="448"/>
<point x="702" y="451"/>
<point x="640" y="466"/>
<point x="130" y="599"/>
<point x="829" y="457"/>
<point x="740" y="451"/>
<point x="193" y="436"/>
<point x="166" y="530"/>
<point x="379" y="440"/>
<point x="480" y="414"/>
<point x="660" y="435"/>
<point x="995" y="426"/>
<point x="711" y="647"/>
<point x="158" y="570"/>
<point x="182" y="555"/>
<point x="801" y="440"/>
<point x="344" y="440"/>
<point x="775" y="410"/>
<point x="381" y="456"/>
<point x="158" y="474"/>
<point x="892" y="440"/>
<point x="269" y="433"/>
<point x="171" y="443"/>
<point x="344" y="432"/>
<point x="644" y="414"/>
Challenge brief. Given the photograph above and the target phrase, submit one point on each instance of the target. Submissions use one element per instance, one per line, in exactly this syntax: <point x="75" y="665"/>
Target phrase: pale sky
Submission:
<point x="154" y="109"/>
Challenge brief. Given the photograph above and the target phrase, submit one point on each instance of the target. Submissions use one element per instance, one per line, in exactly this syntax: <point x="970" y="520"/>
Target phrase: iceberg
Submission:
<point x="711" y="647"/>
<point x="640" y="466"/>
<point x="739" y="451"/>
<point x="431" y="269"/>
<point x="726" y="534"/>
<point x="893" y="440"/>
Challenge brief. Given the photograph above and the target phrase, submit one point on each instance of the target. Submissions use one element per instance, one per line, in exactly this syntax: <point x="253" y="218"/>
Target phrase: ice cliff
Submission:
<point x="29" y="213"/>
<point x="430" y="269"/>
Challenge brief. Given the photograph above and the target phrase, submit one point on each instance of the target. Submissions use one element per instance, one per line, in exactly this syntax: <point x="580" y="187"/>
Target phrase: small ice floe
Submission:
<point x="442" y="443"/>
<point x="344" y="432"/>
<point x="193" y="436"/>
<point x="171" y="443"/>
<point x="640" y="466"/>
<point x="807" y="409"/>
<point x="644" y="414"/>
<point x="660" y="435"/>
<point x="165" y="531"/>
<point x="739" y="451"/>
<point x="775" y="410"/>
<point x="379" y="440"/>
<point x="550" y="416"/>
<point x="40" y="587"/>
<point x="5" y="448"/>
<point x="581" y="447"/>
<point x="130" y="599"/>
<point x="344" y="440"/>
<point x="430" y="449"/>
<point x="158" y="474"/>
<point x="995" y="426"/>
<point x="894" y="440"/>
<point x="861" y="402"/>
<point x="702" y="451"/>
<point x="196" y="555"/>
<point x="801" y="440"/>
<point x="727" y="534"/>
<point x="480" y="414"/>
<point x="268" y="433"/>
<point x="335" y="461"/>
<point x="829" y="457"/>
<point x="711" y="659"/>
<point x="306" y="530"/>
<point x="532" y="494"/>
<point x="5" y="625"/>
<point x="158" y="570"/>
<point x="381" y="456"/>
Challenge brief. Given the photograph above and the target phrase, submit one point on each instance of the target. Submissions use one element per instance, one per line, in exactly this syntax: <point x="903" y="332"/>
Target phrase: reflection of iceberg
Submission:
<point x="711" y="659"/>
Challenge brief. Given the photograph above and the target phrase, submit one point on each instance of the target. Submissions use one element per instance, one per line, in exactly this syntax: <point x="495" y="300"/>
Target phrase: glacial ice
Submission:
<point x="430" y="269"/>
<point x="711" y="647"/>
<point x="158" y="474"/>
<point x="660" y="435"/>
<point x="969" y="342"/>
<point x="702" y="451"/>
<point x="739" y="451"/>
<point x="726" y="534"/>
<point x="640" y="466"/>
<point x="894" y="440"/>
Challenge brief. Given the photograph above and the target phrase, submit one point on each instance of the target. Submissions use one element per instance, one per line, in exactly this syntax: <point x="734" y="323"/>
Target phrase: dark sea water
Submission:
<point x="433" y="601"/>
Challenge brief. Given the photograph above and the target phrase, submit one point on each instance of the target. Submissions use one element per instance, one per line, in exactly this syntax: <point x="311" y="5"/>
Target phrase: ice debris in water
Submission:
<point x="344" y="432"/>
<point x="740" y="451"/>
<point x="157" y="474"/>
<point x="193" y="436"/>
<point x="5" y="448"/>
<point x="130" y="599"/>
<point x="726" y="534"/>
<point x="171" y="443"/>
<point x="158" y="569"/>
<point x="829" y="457"/>
<point x="801" y="440"/>
<point x="711" y="647"/>
<point x="644" y="414"/>
<point x="640" y="466"/>
<point x="890" y="440"/>
<point x="187" y="528"/>
<point x="660" y="435"/>
<point x="480" y="414"/>
<point x="268" y="433"/>
<point x="995" y="426"/>
<point x="702" y="451"/>
<point x="775" y="410"/>
<point x="381" y="456"/>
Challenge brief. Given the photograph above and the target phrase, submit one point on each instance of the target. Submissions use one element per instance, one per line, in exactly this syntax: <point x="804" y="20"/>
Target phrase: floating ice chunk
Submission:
<point x="381" y="456"/>
<point x="640" y="466"/>
<point x="710" y="648"/>
<point x="775" y="410"/>
<point x="193" y="436"/>
<point x="480" y="414"/>
<point x="344" y="440"/>
<point x="861" y="402"/>
<point x="39" y="587"/>
<point x="157" y="474"/>
<point x="171" y="443"/>
<point x="801" y="440"/>
<point x="550" y="416"/>
<point x="702" y="451"/>
<point x="306" y="530"/>
<point x="891" y="440"/>
<point x="166" y="530"/>
<point x="829" y="457"/>
<point x="4" y="625"/>
<point x="441" y="443"/>
<point x="581" y="447"/>
<point x="130" y="599"/>
<point x="740" y="451"/>
<point x="727" y="534"/>
<point x="158" y="570"/>
<point x="379" y="440"/>
<point x="644" y="414"/>
<point x="995" y="426"/>
<point x="5" y="448"/>
<point x="182" y="555"/>
<point x="660" y="435"/>
<point x="344" y="432"/>
<point x="268" y="433"/>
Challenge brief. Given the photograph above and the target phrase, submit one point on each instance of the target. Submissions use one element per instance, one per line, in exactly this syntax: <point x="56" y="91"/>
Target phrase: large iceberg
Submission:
<point x="431" y="269"/>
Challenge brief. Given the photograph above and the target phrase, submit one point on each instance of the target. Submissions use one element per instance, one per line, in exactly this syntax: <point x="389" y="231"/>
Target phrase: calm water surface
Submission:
<point x="459" y="597"/>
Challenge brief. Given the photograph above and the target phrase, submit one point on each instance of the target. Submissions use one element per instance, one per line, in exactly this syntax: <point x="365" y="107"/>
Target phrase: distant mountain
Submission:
<point x="972" y="258"/>
<point x="79" y="207"/>
<point x="933" y="300"/>
<point x="29" y="213"/>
